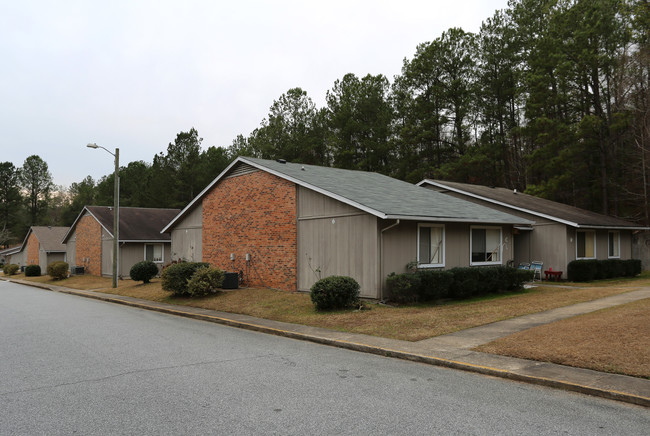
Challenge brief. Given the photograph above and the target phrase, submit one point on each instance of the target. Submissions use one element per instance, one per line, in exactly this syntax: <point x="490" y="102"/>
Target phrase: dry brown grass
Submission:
<point x="615" y="340"/>
<point x="410" y="323"/>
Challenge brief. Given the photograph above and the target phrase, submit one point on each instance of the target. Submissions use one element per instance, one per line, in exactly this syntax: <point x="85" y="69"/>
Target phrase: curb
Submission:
<point x="354" y="346"/>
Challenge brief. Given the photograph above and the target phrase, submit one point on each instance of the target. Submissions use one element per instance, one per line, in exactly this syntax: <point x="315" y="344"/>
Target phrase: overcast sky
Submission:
<point x="132" y="74"/>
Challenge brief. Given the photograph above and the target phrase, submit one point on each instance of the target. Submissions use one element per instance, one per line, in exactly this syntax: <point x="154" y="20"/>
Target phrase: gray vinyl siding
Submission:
<point x="336" y="239"/>
<point x="400" y="245"/>
<point x="42" y="260"/>
<point x="107" y="254"/>
<point x="626" y="244"/>
<point x="18" y="258"/>
<point x="130" y="254"/>
<point x="71" y="250"/>
<point x="187" y="237"/>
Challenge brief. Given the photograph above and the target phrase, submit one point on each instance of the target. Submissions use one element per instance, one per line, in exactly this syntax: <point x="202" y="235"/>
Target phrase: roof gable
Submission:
<point x="136" y="223"/>
<point x="569" y="215"/>
<point x="374" y="193"/>
<point x="49" y="237"/>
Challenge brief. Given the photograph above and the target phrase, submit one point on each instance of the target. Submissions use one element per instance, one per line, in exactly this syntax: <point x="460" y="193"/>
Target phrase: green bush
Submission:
<point x="518" y="277"/>
<point x="456" y="283"/>
<point x="632" y="267"/>
<point x="176" y="276"/>
<point x="10" y="269"/>
<point x="403" y="288"/>
<point x="582" y="270"/>
<point x="32" y="271"/>
<point x="434" y="284"/>
<point x="205" y="281"/>
<point x="58" y="270"/>
<point x="335" y="292"/>
<point x="143" y="271"/>
<point x="585" y="270"/>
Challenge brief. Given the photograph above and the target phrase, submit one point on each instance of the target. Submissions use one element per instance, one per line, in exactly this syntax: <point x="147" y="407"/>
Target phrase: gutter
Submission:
<point x="381" y="258"/>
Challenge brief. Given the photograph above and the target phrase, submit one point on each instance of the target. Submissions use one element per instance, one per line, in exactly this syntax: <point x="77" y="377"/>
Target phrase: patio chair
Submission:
<point x="537" y="267"/>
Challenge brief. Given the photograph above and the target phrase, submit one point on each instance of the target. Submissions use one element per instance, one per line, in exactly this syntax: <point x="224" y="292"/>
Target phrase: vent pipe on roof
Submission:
<point x="282" y="161"/>
<point x="515" y="191"/>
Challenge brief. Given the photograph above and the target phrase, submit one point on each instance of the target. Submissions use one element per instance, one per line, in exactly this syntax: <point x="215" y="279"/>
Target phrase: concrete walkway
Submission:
<point x="452" y="351"/>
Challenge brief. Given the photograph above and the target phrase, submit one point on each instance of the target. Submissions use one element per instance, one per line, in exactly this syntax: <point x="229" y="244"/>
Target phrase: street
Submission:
<point x="71" y="365"/>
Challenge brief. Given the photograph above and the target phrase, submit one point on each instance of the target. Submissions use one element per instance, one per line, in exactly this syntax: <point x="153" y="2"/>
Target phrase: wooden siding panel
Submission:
<point x="186" y="245"/>
<point x="345" y="246"/>
<point x="312" y="204"/>
<point x="187" y="238"/>
<point x="107" y="254"/>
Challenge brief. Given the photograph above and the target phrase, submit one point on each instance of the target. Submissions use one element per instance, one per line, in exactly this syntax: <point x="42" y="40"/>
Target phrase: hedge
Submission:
<point x="175" y="277"/>
<point x="205" y="281"/>
<point x="456" y="283"/>
<point x="32" y="271"/>
<point x="58" y="270"/>
<point x="592" y="269"/>
<point x="143" y="271"/>
<point x="10" y="269"/>
<point x="335" y="292"/>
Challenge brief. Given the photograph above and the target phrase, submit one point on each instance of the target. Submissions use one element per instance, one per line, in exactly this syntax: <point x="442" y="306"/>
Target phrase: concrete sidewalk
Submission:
<point x="452" y="351"/>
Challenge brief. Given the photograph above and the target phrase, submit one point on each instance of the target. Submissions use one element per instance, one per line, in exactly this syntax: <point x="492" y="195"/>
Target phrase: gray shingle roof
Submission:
<point x="136" y="223"/>
<point x="536" y="205"/>
<point x="50" y="237"/>
<point x="374" y="193"/>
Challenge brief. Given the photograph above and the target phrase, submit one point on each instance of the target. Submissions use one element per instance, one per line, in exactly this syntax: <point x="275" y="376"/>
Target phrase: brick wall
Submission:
<point x="32" y="249"/>
<point x="88" y="245"/>
<point x="253" y="213"/>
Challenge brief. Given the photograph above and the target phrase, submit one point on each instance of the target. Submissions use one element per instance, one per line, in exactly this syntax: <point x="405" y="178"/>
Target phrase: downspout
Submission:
<point x="381" y="258"/>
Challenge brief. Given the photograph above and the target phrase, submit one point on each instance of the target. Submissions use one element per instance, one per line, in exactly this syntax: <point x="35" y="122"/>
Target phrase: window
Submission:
<point x="614" y="244"/>
<point x="586" y="244"/>
<point x="153" y="252"/>
<point x="485" y="245"/>
<point x="431" y="245"/>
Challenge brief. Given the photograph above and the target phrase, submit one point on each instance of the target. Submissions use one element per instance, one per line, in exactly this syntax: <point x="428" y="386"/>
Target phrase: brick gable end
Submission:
<point x="254" y="214"/>
<point x="33" y="247"/>
<point x="88" y="245"/>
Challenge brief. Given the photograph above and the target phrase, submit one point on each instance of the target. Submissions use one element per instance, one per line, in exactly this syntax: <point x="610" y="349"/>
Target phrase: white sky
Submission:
<point x="132" y="74"/>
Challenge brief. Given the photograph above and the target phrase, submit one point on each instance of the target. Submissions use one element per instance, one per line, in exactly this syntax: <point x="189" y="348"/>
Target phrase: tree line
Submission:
<point x="550" y="97"/>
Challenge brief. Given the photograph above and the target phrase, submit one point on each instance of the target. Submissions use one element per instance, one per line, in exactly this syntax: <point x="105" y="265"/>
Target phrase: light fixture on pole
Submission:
<point x="116" y="207"/>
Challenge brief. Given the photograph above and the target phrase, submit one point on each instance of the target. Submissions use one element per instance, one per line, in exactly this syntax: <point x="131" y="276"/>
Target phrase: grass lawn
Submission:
<point x="614" y="340"/>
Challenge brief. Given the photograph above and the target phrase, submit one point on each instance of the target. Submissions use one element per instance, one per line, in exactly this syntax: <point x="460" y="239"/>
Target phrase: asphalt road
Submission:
<point x="70" y="365"/>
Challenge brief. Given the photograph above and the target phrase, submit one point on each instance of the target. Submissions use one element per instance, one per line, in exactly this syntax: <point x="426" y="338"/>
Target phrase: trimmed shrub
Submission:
<point x="33" y="271"/>
<point x="632" y="267"/>
<point x="205" y="281"/>
<point x="403" y="288"/>
<point x="58" y="270"/>
<point x="143" y="271"/>
<point x="456" y="283"/>
<point x="582" y="270"/>
<point x="435" y="284"/>
<point x="335" y="292"/>
<point x="176" y="276"/>
<point x="518" y="277"/>
<point x="10" y="269"/>
<point x="590" y="269"/>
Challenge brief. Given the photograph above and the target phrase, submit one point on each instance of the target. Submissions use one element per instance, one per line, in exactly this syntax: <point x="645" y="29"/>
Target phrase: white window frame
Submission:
<point x="471" y="241"/>
<point x="586" y="232"/>
<point x="162" y="252"/>
<point x="443" y="246"/>
<point x="617" y="242"/>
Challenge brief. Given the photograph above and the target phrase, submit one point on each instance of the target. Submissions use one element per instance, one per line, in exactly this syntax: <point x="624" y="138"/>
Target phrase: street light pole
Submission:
<point x="116" y="207"/>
